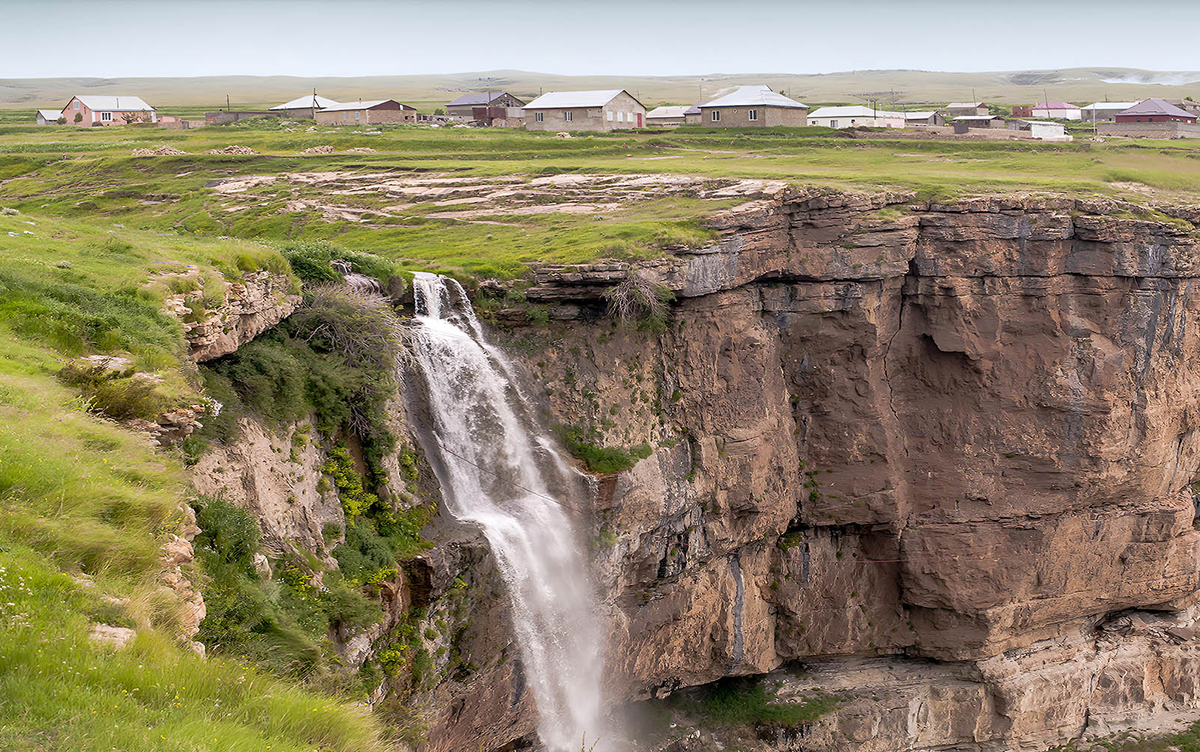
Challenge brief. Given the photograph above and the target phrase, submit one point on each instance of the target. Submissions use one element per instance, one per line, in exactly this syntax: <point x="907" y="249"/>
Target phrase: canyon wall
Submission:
<point x="890" y="430"/>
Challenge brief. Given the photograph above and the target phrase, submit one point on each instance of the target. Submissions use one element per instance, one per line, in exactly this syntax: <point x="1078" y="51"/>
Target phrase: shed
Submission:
<point x="981" y="121"/>
<point x="48" y="117"/>
<point x="107" y="110"/>
<point x="1154" y="110"/>
<point x="1045" y="131"/>
<point x="692" y="114"/>
<point x="371" y="112"/>
<point x="923" y="117"/>
<point x="599" y="110"/>
<point x="753" y="107"/>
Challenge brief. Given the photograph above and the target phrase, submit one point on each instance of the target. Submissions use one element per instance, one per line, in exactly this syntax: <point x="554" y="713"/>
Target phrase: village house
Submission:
<point x="960" y="109"/>
<point x="669" y="115"/>
<point x="107" y="110"/>
<point x="979" y="121"/>
<point x="923" y="118"/>
<point x="1187" y="105"/>
<point x="486" y="106"/>
<point x="373" y="112"/>
<point x="1103" y="112"/>
<point x="48" y="117"/>
<point x="1155" y="110"/>
<point x="753" y="107"/>
<point x="603" y="110"/>
<point x="1042" y="130"/>
<point x="304" y="108"/>
<point x="855" y="116"/>
<point x="691" y="115"/>
<point x="1056" y="111"/>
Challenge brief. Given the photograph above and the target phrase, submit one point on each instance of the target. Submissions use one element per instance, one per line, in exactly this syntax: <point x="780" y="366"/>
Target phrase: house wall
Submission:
<point x="1150" y="130"/>
<point x="374" y="116"/>
<point x="43" y="121"/>
<point x="232" y="116"/>
<point x="467" y="111"/>
<point x="768" y="117"/>
<point x="856" y="121"/>
<point x="1153" y="119"/>
<point x="953" y="112"/>
<point x="665" y="121"/>
<point x="589" y="118"/>
<point x="1057" y="114"/>
<point x="90" y="117"/>
<point x="1099" y="116"/>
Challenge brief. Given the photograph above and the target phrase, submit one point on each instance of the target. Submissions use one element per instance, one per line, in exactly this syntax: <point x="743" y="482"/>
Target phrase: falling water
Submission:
<point x="498" y="473"/>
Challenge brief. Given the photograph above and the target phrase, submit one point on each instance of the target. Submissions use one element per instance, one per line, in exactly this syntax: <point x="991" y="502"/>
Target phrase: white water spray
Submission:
<point x="498" y="473"/>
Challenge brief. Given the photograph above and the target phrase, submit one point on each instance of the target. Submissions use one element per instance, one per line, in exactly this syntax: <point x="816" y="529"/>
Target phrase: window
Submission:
<point x="609" y="114"/>
<point x="832" y="123"/>
<point x="106" y="116"/>
<point x="716" y="115"/>
<point x="345" y="116"/>
<point x="356" y="114"/>
<point x="76" y="103"/>
<point x="538" y="117"/>
<point x="568" y="116"/>
<point x="754" y="114"/>
<point x="620" y="117"/>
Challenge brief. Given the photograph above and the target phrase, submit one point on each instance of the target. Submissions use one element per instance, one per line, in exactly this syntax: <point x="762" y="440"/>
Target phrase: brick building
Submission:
<point x="1155" y="110"/>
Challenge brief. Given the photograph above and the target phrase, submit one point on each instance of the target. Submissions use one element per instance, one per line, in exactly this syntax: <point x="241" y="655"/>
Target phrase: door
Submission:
<point x="639" y="115"/>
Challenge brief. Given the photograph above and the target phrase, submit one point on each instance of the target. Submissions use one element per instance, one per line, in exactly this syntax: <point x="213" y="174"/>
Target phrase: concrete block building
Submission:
<point x="373" y="112"/>
<point x="753" y="107"/>
<point x="484" y="106"/>
<point x="668" y="115"/>
<point x="856" y="116"/>
<point x="602" y="110"/>
<point x="303" y="108"/>
<point x="1155" y="110"/>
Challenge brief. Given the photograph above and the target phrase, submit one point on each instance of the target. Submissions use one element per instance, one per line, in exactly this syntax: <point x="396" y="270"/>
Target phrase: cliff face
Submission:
<point x="888" y="430"/>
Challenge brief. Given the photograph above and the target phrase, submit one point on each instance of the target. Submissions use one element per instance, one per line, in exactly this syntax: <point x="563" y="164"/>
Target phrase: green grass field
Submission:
<point x="85" y="228"/>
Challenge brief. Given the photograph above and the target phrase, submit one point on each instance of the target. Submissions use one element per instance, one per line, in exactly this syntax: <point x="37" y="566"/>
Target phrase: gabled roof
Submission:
<point x="965" y="105"/>
<point x="919" y="115"/>
<point x="853" y="110"/>
<point x="306" y="101"/>
<point x="50" y="114"/>
<point x="976" y="118"/>
<point x="562" y="99"/>
<point x="369" y="104"/>
<point x="1156" y="106"/>
<point x="1055" y="106"/>
<point x="751" y="96"/>
<point x="693" y="110"/>
<point x="477" y="98"/>
<point x="669" y="111"/>
<point x="114" y="104"/>
<point x="1118" y="106"/>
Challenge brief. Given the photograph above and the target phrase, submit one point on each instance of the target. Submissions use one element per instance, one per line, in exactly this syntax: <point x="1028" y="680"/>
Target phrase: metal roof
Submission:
<point x="918" y="115"/>
<point x="977" y="117"/>
<point x="668" y="111"/>
<point x="1156" y="106"/>
<point x="305" y="102"/>
<point x="853" y="110"/>
<point x="364" y="105"/>
<point x="552" y="100"/>
<point x="1118" y="106"/>
<point x="114" y="104"/>
<point x="752" y="96"/>
<point x="477" y="98"/>
<point x="693" y="110"/>
<point x="50" y="114"/>
<point x="965" y="105"/>
<point x="1055" y="106"/>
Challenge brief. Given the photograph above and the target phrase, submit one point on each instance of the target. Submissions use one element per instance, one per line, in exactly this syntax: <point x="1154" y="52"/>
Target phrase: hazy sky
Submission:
<point x="111" y="38"/>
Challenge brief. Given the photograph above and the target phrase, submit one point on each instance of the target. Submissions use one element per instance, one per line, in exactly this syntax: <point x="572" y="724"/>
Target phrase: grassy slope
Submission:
<point x="851" y="86"/>
<point x="84" y="499"/>
<point x="88" y="174"/>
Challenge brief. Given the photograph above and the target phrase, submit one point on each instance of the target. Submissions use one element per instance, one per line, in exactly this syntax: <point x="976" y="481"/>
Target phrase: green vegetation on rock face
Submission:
<point x="86" y="507"/>
<point x="600" y="459"/>
<point x="746" y="701"/>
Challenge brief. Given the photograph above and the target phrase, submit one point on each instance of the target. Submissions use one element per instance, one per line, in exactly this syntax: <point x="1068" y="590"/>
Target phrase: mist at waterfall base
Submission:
<point x="497" y="472"/>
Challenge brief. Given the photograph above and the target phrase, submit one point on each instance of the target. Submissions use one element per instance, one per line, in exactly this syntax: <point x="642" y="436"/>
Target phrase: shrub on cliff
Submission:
<point x="312" y="262"/>
<point x="637" y="299"/>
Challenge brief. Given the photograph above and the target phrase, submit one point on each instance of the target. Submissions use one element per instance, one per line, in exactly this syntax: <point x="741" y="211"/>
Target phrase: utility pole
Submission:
<point x="227" y="107"/>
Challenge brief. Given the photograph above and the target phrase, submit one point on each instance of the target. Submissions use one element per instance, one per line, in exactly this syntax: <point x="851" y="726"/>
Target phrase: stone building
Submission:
<point x="483" y="105"/>
<point x="305" y="107"/>
<point x="1103" y="112"/>
<point x="753" y="107"/>
<point x="668" y="115"/>
<point x="959" y="109"/>
<point x="603" y="110"/>
<point x="372" y="112"/>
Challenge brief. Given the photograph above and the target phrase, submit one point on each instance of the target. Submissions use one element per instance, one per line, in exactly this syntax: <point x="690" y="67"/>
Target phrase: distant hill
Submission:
<point x="901" y="86"/>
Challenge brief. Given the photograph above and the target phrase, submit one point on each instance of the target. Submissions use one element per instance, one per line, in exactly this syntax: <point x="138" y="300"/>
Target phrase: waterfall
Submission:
<point x="498" y="473"/>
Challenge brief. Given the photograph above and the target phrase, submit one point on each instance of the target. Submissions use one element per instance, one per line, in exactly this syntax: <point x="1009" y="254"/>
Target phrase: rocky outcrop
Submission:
<point x="249" y="307"/>
<point x="897" y="430"/>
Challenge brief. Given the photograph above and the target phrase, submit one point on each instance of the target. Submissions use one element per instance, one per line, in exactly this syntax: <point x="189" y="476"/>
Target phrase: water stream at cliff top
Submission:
<point x="497" y="472"/>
